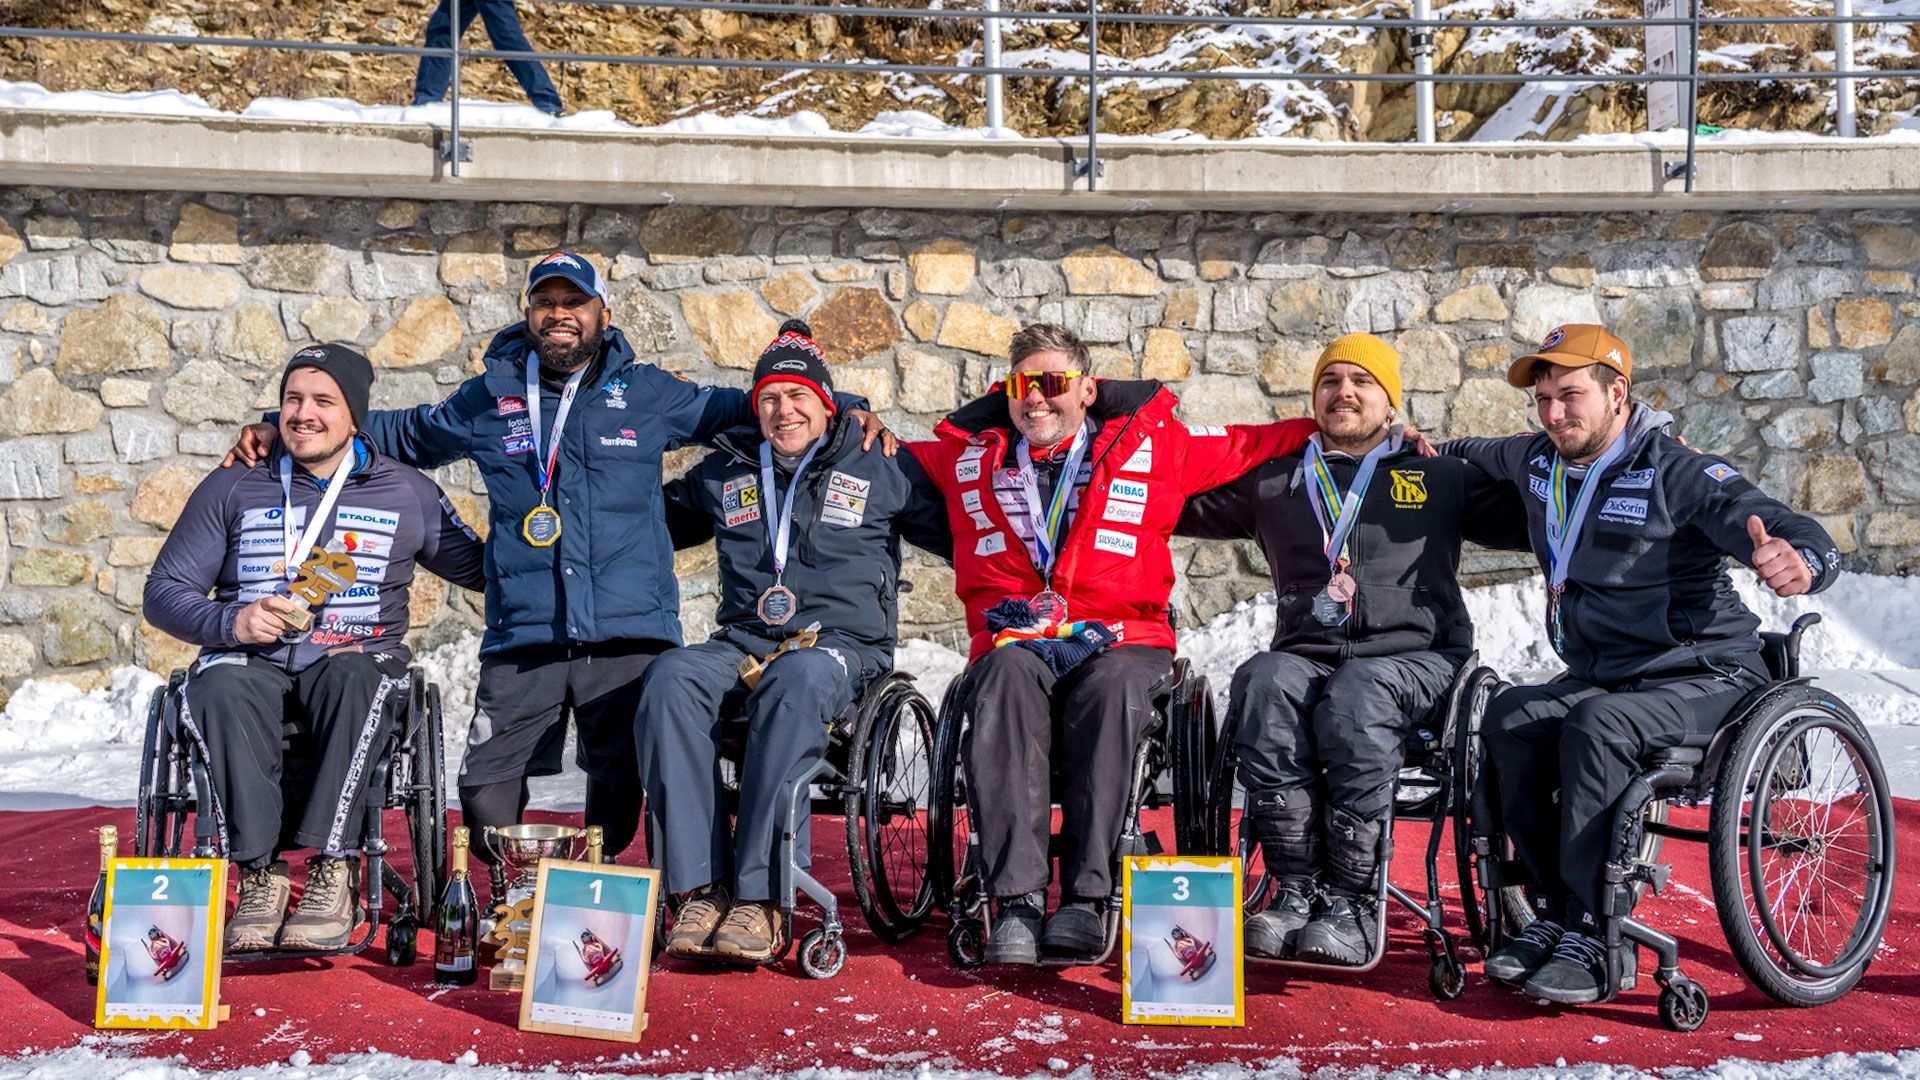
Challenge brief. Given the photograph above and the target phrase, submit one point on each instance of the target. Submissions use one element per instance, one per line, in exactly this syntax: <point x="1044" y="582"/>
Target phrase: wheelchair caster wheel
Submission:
<point x="403" y="946"/>
<point x="1683" y="1005"/>
<point x="966" y="943"/>
<point x="822" y="955"/>
<point x="1447" y="979"/>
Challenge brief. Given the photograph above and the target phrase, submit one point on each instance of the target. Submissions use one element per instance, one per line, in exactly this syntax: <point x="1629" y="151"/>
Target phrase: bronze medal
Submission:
<point x="777" y="605"/>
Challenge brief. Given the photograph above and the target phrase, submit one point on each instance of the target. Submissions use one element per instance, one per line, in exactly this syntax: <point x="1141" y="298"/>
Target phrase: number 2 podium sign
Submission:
<point x="160" y="944"/>
<point x="591" y="946"/>
<point x="1180" y="940"/>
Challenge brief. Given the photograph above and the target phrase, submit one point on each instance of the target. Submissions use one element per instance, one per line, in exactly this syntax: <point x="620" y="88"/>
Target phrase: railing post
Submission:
<point x="996" y="84"/>
<point x="1843" y="114"/>
<point x="454" y="154"/>
<point x="1090" y="168"/>
<point x="1422" y="49"/>
<point x="1693" y="84"/>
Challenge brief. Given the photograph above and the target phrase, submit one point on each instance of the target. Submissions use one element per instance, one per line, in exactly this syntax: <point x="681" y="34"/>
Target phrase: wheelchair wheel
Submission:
<point x="948" y="823"/>
<point x="888" y="811"/>
<point x="427" y="807"/>
<point x="1473" y="816"/>
<point x="1802" y="833"/>
<point x="147" y="824"/>
<point x="1193" y="736"/>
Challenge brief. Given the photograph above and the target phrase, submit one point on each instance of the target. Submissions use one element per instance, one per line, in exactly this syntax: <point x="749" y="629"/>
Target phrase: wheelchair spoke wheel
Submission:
<point x="888" y="813"/>
<point x="951" y="823"/>
<point x="422" y="791"/>
<point x="1802" y="833"/>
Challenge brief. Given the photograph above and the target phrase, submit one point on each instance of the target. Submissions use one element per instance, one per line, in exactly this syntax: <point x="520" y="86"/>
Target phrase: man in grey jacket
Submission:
<point x="243" y="537"/>
<point x="1633" y="530"/>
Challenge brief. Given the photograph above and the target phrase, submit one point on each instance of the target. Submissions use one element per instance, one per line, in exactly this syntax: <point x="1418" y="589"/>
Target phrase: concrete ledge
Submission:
<point x="266" y="156"/>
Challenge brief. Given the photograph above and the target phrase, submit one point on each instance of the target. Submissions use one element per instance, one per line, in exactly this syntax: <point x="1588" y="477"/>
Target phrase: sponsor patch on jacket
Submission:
<point x="520" y="425"/>
<point x="1538" y="485"/>
<point x="1117" y="542"/>
<point x="1125" y="513"/>
<point x="627" y="437"/>
<point x="1142" y="459"/>
<point x="1207" y="430"/>
<point x="1721" y="472"/>
<point x="970" y="500"/>
<point x="1624" y="510"/>
<point x="990" y="544"/>
<point x="508" y="405"/>
<point x="849" y="484"/>
<point x="1637" y="480"/>
<point x="980" y="520"/>
<point x="366" y="517"/>
<point x="1409" y="487"/>
<point x="965" y="471"/>
<point x="1132" y="491"/>
<point x="740" y="500"/>
<point x="840" y="500"/>
<point x="616" y="391"/>
<point x="1540" y="462"/>
<point x="517" y="444"/>
<point x="842" y="516"/>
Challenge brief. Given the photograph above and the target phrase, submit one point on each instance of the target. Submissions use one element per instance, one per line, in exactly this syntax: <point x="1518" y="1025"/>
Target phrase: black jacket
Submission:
<point x="843" y="563"/>
<point x="1647" y="591"/>
<point x="1405" y="548"/>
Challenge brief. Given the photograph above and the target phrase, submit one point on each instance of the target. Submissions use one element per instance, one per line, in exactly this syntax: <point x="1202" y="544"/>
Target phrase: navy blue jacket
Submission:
<point x="609" y="577"/>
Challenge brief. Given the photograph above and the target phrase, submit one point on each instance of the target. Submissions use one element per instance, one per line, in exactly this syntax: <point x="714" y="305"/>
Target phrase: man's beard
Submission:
<point x="1343" y="442"/>
<point x="315" y="457"/>
<point x="1590" y="446"/>
<point x="567" y="359"/>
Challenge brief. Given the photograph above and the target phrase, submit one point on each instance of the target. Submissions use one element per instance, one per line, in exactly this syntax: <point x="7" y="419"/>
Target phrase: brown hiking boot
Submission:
<point x="329" y="906"/>
<point x="255" y="924"/>
<point x="698" y="918"/>
<point x="751" y="932"/>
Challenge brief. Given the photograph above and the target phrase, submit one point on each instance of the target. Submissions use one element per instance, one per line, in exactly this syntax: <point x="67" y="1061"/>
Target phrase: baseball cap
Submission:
<point x="1574" y="345"/>
<point x="574" y="268"/>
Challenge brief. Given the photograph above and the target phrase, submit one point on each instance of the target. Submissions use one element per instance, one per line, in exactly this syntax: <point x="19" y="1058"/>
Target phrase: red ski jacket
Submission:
<point x="1114" y="565"/>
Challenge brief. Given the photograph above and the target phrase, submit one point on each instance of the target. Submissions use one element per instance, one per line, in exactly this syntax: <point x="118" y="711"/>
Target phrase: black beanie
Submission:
<point x="793" y="357"/>
<point x="350" y="370"/>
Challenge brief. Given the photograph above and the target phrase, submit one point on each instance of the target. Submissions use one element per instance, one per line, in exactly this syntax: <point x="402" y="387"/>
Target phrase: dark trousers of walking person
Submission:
<point x="503" y="29"/>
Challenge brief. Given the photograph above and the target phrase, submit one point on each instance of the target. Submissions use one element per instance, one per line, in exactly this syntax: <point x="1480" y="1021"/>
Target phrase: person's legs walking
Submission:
<point x="435" y="72"/>
<point x="503" y="28"/>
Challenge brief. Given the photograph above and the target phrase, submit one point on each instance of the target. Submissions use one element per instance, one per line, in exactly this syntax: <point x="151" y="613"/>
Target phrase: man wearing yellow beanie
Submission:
<point x="1363" y="537"/>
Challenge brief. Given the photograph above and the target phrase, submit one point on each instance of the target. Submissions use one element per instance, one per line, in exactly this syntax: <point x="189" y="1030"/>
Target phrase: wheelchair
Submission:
<point x="408" y="775"/>
<point x="1800" y="847"/>
<point x="1176" y="751"/>
<point x="875" y="773"/>
<point x="1430" y="787"/>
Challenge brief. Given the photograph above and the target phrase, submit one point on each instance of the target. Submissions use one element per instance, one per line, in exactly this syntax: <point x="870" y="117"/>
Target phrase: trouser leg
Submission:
<point x="1522" y="727"/>
<point x="431" y="80"/>
<point x="1605" y="738"/>
<point x="788" y="718"/>
<point x="349" y="700"/>
<point x="1106" y="709"/>
<point x="1271" y="700"/>
<point x="603" y="687"/>
<point x="503" y="28"/>
<point x="677" y="732"/>
<point x="518" y="730"/>
<point x="1007" y="758"/>
<point x="238" y="708"/>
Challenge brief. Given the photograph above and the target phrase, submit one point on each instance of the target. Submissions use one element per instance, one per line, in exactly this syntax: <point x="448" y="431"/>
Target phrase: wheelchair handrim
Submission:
<point x="894" y="850"/>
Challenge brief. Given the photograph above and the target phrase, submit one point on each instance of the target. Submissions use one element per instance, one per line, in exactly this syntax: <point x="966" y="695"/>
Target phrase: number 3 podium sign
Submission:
<point x="160" y="944"/>
<point x="1180" y="941"/>
<point x="591" y="945"/>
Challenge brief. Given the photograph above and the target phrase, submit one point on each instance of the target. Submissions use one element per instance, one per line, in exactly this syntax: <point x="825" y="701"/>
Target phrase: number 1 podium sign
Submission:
<point x="160" y="944"/>
<point x="590" y="948"/>
<point x="1180" y="941"/>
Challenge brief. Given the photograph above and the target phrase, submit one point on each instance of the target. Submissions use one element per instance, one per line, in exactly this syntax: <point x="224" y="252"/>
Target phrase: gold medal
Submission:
<point x="541" y="526"/>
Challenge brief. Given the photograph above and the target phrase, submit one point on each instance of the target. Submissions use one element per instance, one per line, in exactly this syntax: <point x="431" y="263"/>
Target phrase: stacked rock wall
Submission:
<point x="137" y="331"/>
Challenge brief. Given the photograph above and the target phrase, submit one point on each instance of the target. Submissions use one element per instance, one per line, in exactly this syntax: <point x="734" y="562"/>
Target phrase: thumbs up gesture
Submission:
<point x="1777" y="563"/>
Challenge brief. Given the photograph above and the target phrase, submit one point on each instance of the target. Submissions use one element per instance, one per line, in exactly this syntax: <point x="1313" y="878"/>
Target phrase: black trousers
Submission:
<point x="1027" y="724"/>
<point x="1583" y="744"/>
<point x="346" y="701"/>
<point x="523" y="698"/>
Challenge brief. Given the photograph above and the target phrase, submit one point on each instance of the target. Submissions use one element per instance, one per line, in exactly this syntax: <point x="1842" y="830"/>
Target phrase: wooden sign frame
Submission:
<point x="1185" y="968"/>
<point x="593" y="907"/>
<point x="183" y="904"/>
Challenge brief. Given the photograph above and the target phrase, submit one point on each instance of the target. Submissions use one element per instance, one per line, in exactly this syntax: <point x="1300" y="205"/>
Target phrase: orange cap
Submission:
<point x="1574" y="345"/>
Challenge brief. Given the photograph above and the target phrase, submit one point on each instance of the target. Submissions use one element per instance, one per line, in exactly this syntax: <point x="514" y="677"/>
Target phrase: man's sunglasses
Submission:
<point x="1051" y="383"/>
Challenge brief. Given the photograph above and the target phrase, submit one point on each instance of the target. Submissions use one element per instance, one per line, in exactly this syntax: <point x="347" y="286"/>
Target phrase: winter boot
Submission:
<point x="257" y="918"/>
<point x="329" y="905"/>
<point x="1274" y="931"/>
<point x="1344" y="932"/>
<point x="1016" y="930"/>
<point x="753" y="931"/>
<point x="698" y="919"/>
<point x="1577" y="974"/>
<point x="1078" y="928"/>
<point x="1515" y="962"/>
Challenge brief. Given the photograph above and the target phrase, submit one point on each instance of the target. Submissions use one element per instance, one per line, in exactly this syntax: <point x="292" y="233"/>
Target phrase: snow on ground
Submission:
<point x="62" y="748"/>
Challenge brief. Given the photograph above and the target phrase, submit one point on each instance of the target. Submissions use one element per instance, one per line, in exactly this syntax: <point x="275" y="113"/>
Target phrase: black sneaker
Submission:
<point x="1016" y="930"/>
<point x="1515" y="962"/>
<point x="1342" y="934"/>
<point x="1077" y="928"/>
<point x="1577" y="974"/>
<point x="1275" y="932"/>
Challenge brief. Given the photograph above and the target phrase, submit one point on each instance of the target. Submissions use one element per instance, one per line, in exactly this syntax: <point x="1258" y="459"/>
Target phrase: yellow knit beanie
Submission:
<point x="1369" y="353"/>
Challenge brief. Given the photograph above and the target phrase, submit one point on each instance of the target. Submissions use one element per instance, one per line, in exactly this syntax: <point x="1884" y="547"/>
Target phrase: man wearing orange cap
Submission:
<point x="1632" y="530"/>
<point x="1363" y="537"/>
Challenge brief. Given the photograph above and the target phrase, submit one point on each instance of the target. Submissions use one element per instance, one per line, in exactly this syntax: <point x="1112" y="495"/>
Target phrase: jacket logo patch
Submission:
<point x="1721" y="472"/>
<point x="740" y="500"/>
<point x="1142" y="459"/>
<point x="520" y="425"/>
<point x="1638" y="479"/>
<point x="970" y="500"/>
<point x="966" y="472"/>
<point x="625" y="438"/>
<point x="851" y="485"/>
<point x="511" y="405"/>
<point x="990" y="544"/>
<point x="1125" y="513"/>
<point x="843" y="501"/>
<point x="1538" y="485"/>
<point x="841" y="515"/>
<point x="1540" y="462"/>
<point x="1117" y="542"/>
<point x="616" y="392"/>
<point x="1624" y="510"/>
<point x="1409" y="487"/>
<point x="517" y="444"/>
<point x="980" y="520"/>
<point x="1128" y="491"/>
<point x="1207" y="430"/>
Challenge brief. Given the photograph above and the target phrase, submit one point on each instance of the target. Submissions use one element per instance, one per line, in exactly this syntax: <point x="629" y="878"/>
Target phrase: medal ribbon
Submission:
<point x="1564" y="521"/>
<point x="544" y="463"/>
<point x="298" y="549"/>
<point x="1343" y="512"/>
<point x="1047" y="528"/>
<point x="778" y="535"/>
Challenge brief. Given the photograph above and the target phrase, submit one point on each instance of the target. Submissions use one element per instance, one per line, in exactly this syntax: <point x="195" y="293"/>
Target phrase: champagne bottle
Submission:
<point x="596" y="838"/>
<point x="97" y="903"/>
<point x="456" y="931"/>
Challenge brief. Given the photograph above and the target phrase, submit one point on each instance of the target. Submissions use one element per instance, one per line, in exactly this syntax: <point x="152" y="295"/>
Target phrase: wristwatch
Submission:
<point x="1814" y="564"/>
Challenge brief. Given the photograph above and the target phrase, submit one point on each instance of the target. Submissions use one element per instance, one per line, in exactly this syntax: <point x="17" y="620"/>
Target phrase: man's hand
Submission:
<point x="873" y="428"/>
<point x="258" y="625"/>
<point x="256" y="441"/>
<point x="1776" y="561"/>
<point x="1411" y="435"/>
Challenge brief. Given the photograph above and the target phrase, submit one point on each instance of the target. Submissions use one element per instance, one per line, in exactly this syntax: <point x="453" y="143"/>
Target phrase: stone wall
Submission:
<point x="137" y="331"/>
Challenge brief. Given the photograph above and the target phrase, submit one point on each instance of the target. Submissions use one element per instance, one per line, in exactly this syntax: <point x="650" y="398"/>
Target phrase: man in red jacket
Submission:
<point x="1062" y="490"/>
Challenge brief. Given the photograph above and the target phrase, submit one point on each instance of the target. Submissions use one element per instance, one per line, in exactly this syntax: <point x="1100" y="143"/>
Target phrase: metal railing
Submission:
<point x="1420" y="26"/>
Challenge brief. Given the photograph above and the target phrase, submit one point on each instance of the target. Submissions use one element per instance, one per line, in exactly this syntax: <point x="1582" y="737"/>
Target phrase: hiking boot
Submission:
<point x="1342" y="933"/>
<point x="698" y="920"/>
<point x="329" y="905"/>
<point x="1016" y="930"/>
<point x="256" y="920"/>
<point x="1515" y="962"/>
<point x="752" y="931"/>
<point x="1577" y="974"/>
<point x="1077" y="928"/>
<point x="1275" y="932"/>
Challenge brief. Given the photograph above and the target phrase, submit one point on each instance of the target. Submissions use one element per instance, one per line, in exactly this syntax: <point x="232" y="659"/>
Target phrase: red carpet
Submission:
<point x="901" y="1006"/>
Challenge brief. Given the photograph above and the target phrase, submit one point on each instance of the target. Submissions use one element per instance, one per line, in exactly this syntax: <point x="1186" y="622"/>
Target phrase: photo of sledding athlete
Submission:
<point x="155" y="959"/>
<point x="591" y="925"/>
